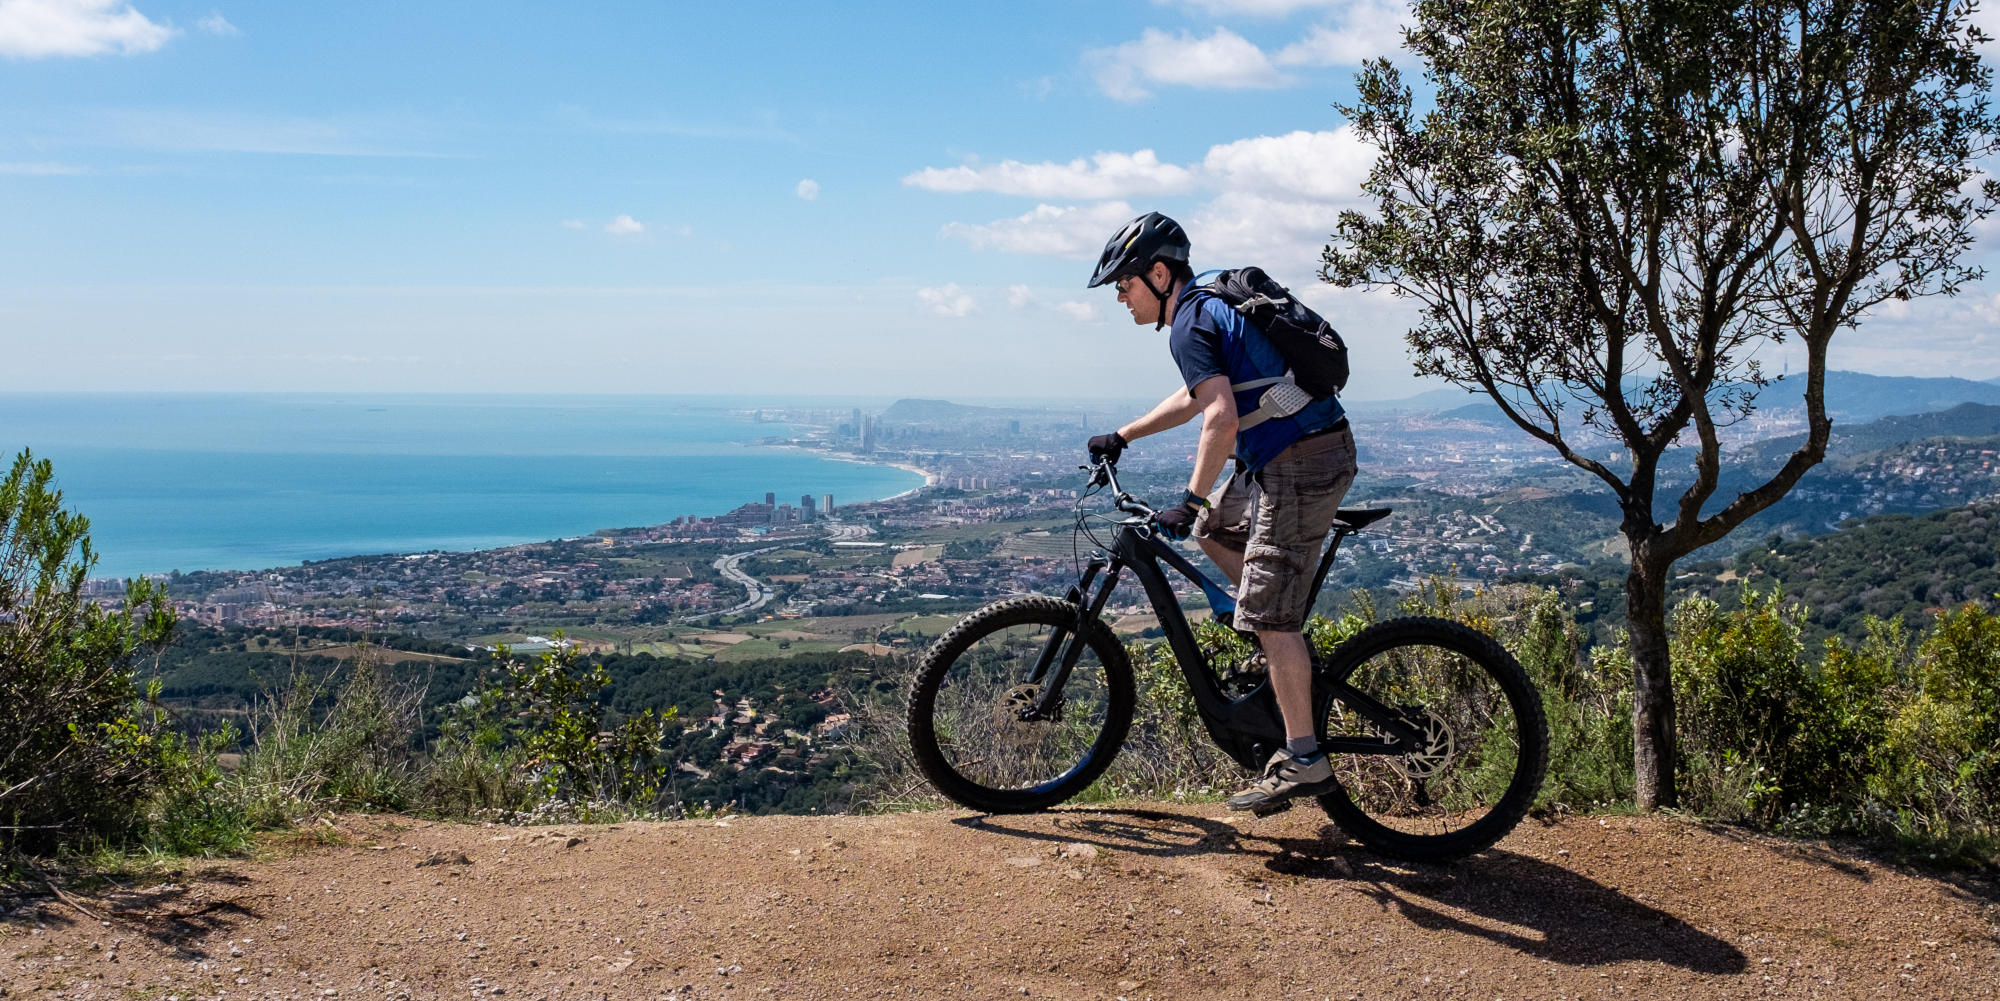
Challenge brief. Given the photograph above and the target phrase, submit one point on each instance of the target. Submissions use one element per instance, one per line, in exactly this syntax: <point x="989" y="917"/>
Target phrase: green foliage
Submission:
<point x="1892" y="566"/>
<point x="1588" y="702"/>
<point x="317" y="747"/>
<point x="541" y="722"/>
<point x="194" y="808"/>
<point x="1744" y="696"/>
<point x="77" y="743"/>
<point x="1939" y="768"/>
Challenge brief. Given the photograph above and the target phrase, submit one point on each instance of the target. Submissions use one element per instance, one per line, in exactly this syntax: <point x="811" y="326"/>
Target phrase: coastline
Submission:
<point x="121" y="568"/>
<point x="930" y="478"/>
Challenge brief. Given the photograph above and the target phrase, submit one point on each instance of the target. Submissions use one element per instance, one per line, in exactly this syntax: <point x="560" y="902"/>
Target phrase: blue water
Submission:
<point x="193" y="482"/>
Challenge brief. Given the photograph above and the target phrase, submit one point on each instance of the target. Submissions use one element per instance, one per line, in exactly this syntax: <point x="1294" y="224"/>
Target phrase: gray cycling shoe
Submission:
<point x="1285" y="776"/>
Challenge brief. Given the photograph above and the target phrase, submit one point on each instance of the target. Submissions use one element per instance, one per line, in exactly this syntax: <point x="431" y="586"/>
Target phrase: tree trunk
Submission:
<point x="1653" y="752"/>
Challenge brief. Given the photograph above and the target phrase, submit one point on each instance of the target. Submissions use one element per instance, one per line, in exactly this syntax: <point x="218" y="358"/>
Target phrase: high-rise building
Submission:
<point x="867" y="434"/>
<point x="806" y="508"/>
<point x="770" y="497"/>
<point x="826" y="504"/>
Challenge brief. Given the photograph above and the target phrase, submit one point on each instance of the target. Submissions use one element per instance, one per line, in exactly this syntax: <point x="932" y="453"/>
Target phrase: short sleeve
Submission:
<point x="1197" y="348"/>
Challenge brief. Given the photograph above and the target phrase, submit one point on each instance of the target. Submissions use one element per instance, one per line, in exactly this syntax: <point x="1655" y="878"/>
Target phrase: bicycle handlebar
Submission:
<point x="1105" y="471"/>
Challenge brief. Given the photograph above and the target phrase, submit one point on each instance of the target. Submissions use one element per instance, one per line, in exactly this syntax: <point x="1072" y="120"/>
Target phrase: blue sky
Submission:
<point x="876" y="199"/>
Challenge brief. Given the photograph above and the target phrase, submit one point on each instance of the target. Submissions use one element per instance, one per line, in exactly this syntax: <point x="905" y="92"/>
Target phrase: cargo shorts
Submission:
<point x="1278" y="518"/>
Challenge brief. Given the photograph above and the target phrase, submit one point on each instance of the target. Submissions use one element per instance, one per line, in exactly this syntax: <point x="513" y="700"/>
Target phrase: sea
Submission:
<point x="248" y="482"/>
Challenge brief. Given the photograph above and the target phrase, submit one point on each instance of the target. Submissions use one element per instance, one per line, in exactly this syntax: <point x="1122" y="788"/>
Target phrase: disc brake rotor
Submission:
<point x="1436" y="751"/>
<point x="1008" y="724"/>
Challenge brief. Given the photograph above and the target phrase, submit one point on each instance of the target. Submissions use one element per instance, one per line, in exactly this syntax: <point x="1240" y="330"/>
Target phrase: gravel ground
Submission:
<point x="1165" y="901"/>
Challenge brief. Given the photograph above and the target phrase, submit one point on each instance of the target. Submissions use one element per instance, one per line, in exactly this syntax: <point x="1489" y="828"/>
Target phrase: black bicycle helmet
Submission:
<point x="1151" y="237"/>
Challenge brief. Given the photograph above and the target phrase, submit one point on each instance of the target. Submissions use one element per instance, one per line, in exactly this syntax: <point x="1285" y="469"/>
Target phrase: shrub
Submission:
<point x="1588" y="702"/>
<point x="78" y="748"/>
<point x="322" y="744"/>
<point x="536" y="736"/>
<point x="1938" y="773"/>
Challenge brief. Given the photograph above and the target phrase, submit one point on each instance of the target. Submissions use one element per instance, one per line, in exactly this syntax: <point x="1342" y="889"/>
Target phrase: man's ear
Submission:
<point x="1162" y="276"/>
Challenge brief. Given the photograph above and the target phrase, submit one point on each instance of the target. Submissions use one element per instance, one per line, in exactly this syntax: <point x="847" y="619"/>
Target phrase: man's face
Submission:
<point x="1132" y="291"/>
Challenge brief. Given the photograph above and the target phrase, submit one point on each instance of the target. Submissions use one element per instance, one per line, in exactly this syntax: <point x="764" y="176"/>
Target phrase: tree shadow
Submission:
<point x="175" y="914"/>
<point x="1512" y="900"/>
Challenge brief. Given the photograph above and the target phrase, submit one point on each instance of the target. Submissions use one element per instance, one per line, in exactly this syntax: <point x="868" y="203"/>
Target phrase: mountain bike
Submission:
<point x="1440" y="737"/>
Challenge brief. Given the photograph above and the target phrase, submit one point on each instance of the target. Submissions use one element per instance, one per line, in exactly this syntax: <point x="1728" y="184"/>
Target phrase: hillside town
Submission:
<point x="1475" y="502"/>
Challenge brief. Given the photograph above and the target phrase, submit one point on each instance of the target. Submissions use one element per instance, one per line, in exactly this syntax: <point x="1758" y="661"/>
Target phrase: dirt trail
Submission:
<point x="1144" y="901"/>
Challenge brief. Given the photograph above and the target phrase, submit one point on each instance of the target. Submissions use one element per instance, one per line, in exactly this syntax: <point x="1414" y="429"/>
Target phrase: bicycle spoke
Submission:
<point x="1465" y="758"/>
<point x="982" y="697"/>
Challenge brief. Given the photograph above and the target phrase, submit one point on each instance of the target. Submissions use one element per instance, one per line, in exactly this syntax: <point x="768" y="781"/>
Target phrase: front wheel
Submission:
<point x="1483" y="749"/>
<point x="966" y="705"/>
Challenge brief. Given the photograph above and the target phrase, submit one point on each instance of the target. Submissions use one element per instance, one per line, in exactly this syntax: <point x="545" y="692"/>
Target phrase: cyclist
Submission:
<point x="1265" y="524"/>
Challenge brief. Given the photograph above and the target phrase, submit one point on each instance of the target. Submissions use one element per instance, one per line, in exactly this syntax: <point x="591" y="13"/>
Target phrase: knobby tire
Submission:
<point x="1530" y="730"/>
<point x="1035" y="610"/>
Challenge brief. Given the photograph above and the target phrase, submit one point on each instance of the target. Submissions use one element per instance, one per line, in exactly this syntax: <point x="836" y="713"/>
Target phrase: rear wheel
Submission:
<point x="1484" y="745"/>
<point x="966" y="730"/>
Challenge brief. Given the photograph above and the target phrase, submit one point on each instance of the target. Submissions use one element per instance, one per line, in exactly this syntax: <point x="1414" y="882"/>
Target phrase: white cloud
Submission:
<point x="1274" y="201"/>
<point x="1364" y="30"/>
<point x="1222" y="61"/>
<point x="1020" y="297"/>
<point x="624" y="225"/>
<point x="572" y="224"/>
<point x="948" y="300"/>
<point x="1243" y="227"/>
<point x="1082" y="312"/>
<point x="33" y="29"/>
<point x="808" y="189"/>
<point x="216" y="24"/>
<point x="1258" y="8"/>
<point x="1104" y="175"/>
<point x="1049" y="230"/>
<point x="1321" y="165"/>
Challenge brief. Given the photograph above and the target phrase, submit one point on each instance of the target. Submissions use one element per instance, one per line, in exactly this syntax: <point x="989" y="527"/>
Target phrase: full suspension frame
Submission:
<point x="1248" y="728"/>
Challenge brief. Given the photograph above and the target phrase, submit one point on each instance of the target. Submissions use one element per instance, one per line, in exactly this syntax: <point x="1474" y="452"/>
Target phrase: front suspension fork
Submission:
<point x="1070" y="646"/>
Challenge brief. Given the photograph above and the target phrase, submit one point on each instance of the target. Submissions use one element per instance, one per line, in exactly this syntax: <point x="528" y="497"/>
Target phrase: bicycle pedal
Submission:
<point x="1271" y="808"/>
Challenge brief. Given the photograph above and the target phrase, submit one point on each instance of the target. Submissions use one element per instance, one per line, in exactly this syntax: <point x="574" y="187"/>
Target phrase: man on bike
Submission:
<point x="1264" y="526"/>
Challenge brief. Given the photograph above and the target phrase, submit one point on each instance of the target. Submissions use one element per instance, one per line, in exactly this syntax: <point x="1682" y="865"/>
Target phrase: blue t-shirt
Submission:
<point x="1210" y="339"/>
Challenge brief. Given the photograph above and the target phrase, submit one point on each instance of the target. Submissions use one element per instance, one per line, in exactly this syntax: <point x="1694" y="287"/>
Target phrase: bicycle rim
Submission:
<point x="973" y="692"/>
<point x="1480" y="761"/>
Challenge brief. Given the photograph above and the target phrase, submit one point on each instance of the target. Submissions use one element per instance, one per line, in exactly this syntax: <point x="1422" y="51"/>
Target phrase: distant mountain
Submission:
<point x="1856" y="396"/>
<point x="1484" y="413"/>
<point x="913" y="411"/>
<point x="1428" y="401"/>
<point x="1850" y="396"/>
<point x="1966" y="420"/>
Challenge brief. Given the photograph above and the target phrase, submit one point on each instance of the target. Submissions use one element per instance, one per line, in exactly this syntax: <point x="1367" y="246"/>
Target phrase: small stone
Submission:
<point x="1079" y="850"/>
<point x="1024" y="862"/>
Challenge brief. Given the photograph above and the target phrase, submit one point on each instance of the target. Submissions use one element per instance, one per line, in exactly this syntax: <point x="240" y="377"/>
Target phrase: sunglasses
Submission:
<point x="1124" y="285"/>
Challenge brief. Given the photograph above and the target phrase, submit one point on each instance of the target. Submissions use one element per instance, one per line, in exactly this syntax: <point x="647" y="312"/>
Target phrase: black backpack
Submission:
<point x="1309" y="344"/>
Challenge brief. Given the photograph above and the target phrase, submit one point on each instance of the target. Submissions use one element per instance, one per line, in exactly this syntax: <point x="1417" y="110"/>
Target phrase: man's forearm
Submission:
<point x="1218" y="442"/>
<point x="1177" y="409"/>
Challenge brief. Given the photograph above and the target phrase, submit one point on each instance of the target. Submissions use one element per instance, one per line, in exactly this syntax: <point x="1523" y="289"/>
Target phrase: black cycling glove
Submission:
<point x="1108" y="446"/>
<point x="1177" y="522"/>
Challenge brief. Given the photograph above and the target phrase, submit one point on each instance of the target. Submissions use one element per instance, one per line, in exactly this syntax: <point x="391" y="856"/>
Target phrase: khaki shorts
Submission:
<point x="1278" y="518"/>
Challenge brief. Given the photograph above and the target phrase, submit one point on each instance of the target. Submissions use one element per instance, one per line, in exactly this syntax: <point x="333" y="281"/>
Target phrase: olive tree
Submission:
<point x="1606" y="209"/>
<point x="75" y="739"/>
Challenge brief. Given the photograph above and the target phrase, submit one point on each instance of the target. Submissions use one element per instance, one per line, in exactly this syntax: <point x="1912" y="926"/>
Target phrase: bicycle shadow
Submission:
<point x="1512" y="900"/>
